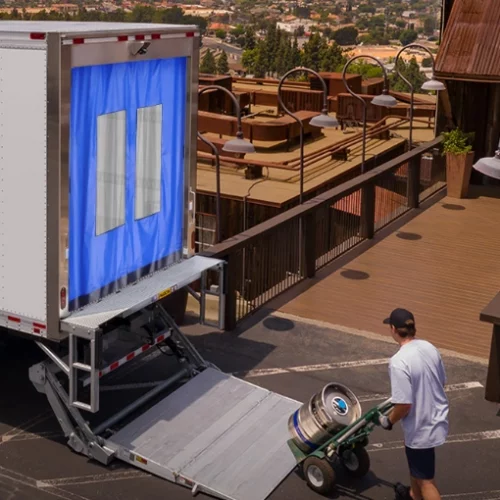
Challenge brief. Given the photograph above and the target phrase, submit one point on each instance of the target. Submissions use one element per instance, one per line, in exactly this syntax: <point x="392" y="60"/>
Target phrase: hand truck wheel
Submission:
<point x="319" y="475"/>
<point x="356" y="461"/>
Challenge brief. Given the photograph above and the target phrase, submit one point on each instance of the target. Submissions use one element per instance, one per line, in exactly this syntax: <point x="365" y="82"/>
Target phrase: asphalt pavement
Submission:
<point x="282" y="354"/>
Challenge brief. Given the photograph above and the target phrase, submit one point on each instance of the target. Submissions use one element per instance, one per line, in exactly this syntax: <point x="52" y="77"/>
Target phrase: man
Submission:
<point x="417" y="377"/>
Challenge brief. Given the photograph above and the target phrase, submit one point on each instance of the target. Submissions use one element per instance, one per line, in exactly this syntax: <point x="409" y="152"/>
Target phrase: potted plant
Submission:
<point x="457" y="147"/>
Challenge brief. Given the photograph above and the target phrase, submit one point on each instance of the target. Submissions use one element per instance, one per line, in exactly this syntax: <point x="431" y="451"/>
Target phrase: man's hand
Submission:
<point x="385" y="423"/>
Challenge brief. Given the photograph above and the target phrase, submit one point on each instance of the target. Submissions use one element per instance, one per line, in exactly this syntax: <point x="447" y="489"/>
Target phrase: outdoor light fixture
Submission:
<point x="323" y="120"/>
<point x="384" y="99"/>
<point x="238" y="145"/>
<point x="431" y="84"/>
<point x="490" y="166"/>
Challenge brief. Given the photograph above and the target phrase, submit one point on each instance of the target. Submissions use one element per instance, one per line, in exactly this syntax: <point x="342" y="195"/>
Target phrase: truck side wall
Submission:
<point x="23" y="187"/>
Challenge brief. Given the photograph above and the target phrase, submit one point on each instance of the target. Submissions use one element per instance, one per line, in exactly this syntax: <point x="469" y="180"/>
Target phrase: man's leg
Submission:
<point x="422" y="468"/>
<point x="415" y="491"/>
<point x="429" y="489"/>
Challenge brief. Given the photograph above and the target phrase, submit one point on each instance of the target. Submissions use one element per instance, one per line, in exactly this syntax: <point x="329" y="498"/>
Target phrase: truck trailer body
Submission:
<point x="98" y="160"/>
<point x="98" y="125"/>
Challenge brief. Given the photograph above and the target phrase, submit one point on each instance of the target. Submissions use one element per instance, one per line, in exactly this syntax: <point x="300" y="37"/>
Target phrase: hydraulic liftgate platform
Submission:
<point x="214" y="433"/>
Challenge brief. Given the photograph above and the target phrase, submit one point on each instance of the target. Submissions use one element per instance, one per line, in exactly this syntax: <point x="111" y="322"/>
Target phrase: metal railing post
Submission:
<point x="230" y="319"/>
<point x="413" y="186"/>
<point x="367" y="229"/>
<point x="308" y="244"/>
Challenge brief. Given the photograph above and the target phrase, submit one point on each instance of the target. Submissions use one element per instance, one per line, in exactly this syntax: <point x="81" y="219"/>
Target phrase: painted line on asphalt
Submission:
<point x="476" y="495"/>
<point x="30" y="436"/>
<point x="30" y="482"/>
<point x="449" y="388"/>
<point x="22" y="428"/>
<point x="265" y="372"/>
<point x="454" y="438"/>
<point x="89" y="479"/>
<point x="372" y="336"/>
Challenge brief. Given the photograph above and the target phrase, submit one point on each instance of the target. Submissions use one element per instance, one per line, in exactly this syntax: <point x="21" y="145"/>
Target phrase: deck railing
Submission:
<point x="274" y="256"/>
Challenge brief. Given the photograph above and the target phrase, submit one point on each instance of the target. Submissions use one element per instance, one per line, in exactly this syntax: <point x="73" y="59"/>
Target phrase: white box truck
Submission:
<point x="98" y="126"/>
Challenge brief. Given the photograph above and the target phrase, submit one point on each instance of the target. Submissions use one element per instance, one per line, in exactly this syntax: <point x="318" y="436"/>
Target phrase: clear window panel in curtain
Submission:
<point x="111" y="151"/>
<point x="148" y="161"/>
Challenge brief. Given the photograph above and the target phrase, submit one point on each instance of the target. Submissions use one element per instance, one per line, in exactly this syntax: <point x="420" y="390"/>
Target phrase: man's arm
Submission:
<point x="402" y="397"/>
<point x="398" y="412"/>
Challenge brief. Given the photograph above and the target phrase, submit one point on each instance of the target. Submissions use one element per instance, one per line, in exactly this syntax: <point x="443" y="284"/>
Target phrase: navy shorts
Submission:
<point x="422" y="462"/>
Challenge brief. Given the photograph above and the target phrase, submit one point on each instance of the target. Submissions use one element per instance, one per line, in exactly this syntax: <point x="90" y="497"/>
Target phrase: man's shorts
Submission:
<point x="422" y="462"/>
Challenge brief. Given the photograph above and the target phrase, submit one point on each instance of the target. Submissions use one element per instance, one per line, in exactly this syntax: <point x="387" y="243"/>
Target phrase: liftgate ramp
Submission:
<point x="215" y="433"/>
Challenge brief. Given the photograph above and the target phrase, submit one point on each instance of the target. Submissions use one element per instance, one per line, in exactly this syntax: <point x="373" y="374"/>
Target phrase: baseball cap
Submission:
<point x="400" y="318"/>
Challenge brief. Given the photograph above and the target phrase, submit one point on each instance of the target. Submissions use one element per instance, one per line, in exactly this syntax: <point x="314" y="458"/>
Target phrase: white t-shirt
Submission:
<point x="417" y="377"/>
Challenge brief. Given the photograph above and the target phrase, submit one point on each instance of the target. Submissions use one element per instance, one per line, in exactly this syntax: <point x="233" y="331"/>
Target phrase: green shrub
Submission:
<point x="457" y="142"/>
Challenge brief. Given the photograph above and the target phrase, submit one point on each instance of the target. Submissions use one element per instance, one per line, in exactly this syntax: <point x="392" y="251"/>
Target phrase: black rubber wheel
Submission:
<point x="356" y="461"/>
<point x="319" y="475"/>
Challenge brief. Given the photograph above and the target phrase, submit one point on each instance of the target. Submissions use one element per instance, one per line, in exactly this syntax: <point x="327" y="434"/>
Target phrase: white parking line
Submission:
<point x="29" y="482"/>
<point x="477" y="495"/>
<point x="22" y="428"/>
<point x="449" y="388"/>
<point x="453" y="438"/>
<point x="88" y="479"/>
<point x="265" y="372"/>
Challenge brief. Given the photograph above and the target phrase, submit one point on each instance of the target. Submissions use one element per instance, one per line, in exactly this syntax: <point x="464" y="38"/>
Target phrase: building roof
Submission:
<point x="469" y="49"/>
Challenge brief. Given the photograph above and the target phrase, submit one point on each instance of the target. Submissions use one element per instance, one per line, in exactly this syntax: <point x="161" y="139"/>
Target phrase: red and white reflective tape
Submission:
<point x="127" y="38"/>
<point x="129" y="357"/>
<point x="23" y="324"/>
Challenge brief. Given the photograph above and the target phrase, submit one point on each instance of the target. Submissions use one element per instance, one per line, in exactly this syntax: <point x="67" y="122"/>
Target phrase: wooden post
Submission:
<point x="367" y="229"/>
<point x="308" y="243"/>
<point x="413" y="186"/>
<point x="492" y="389"/>
<point x="230" y="285"/>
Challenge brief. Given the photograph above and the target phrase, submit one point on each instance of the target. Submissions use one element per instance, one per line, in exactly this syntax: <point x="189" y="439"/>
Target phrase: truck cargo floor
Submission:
<point x="217" y="434"/>
<point x="144" y="292"/>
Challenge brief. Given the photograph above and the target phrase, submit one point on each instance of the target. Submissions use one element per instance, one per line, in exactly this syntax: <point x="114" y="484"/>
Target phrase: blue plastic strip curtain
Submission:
<point x="101" y="263"/>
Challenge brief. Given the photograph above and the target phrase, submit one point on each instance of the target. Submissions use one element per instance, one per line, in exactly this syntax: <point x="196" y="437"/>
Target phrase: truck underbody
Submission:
<point x="199" y="427"/>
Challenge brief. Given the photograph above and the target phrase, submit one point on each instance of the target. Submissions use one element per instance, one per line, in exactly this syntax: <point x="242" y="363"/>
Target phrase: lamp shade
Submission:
<point x="238" y="145"/>
<point x="324" y="121"/>
<point x="433" y="84"/>
<point x="384" y="100"/>
<point x="489" y="166"/>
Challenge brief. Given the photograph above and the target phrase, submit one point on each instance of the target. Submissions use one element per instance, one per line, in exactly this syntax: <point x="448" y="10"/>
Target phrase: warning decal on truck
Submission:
<point x="164" y="293"/>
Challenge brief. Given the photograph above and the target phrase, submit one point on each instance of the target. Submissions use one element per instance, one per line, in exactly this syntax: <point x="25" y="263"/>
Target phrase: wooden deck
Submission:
<point x="444" y="265"/>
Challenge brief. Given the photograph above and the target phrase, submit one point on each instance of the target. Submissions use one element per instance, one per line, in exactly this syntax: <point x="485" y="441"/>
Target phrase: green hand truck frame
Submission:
<point x="347" y="447"/>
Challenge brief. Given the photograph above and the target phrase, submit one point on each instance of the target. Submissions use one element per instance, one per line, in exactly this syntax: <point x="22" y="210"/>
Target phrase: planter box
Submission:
<point x="458" y="172"/>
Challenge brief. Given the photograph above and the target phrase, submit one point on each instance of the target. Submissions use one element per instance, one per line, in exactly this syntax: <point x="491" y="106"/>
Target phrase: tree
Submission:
<point x="220" y="34"/>
<point x="346" y="36"/>
<point x="208" y="64"/>
<point x="429" y="25"/>
<point x="411" y="71"/>
<point x="239" y="30"/>
<point x="296" y="57"/>
<point x="260" y="66"/>
<point x="333" y="57"/>
<point x="250" y="41"/>
<point x="427" y="62"/>
<point x="222" y="64"/>
<point x="314" y="52"/>
<point x="407" y="37"/>
<point x="248" y="59"/>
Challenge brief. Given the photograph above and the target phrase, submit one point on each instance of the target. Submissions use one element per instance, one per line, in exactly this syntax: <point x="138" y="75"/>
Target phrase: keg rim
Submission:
<point x="350" y="395"/>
